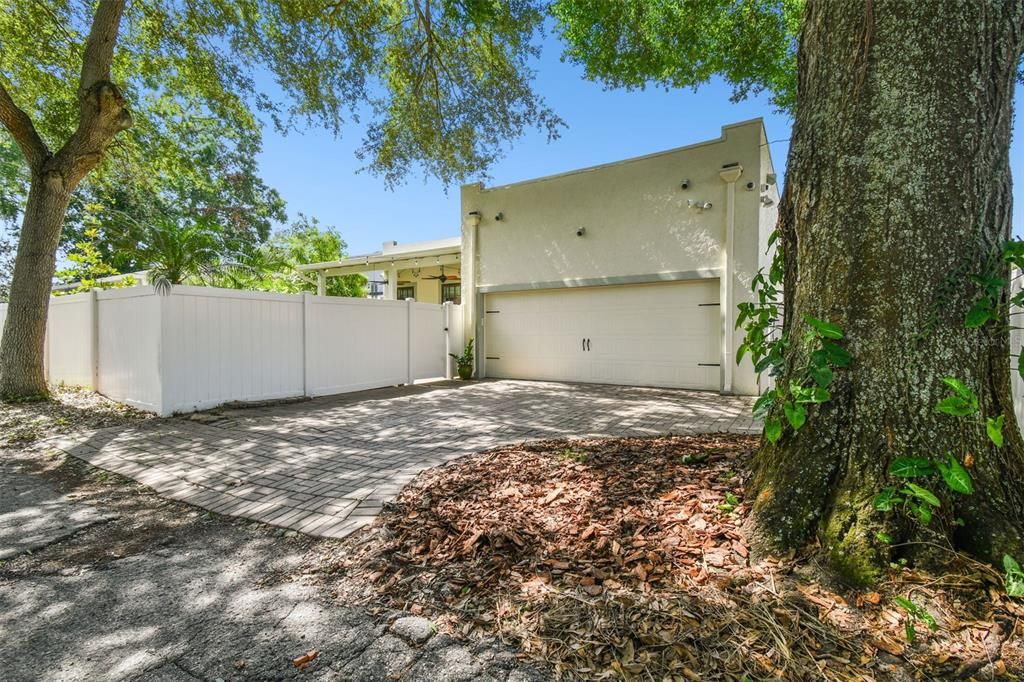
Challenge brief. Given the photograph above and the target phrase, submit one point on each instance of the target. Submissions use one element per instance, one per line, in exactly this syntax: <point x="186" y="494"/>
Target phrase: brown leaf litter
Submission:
<point x="626" y="559"/>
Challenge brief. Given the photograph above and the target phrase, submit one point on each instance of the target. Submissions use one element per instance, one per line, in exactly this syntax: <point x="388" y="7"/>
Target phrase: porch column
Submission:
<point x="391" y="290"/>
<point x="727" y="285"/>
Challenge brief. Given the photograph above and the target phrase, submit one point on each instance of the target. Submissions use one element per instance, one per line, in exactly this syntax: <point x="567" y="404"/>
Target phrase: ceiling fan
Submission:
<point x="442" y="278"/>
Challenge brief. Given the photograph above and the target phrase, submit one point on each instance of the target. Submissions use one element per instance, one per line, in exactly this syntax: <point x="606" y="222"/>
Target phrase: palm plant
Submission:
<point x="177" y="252"/>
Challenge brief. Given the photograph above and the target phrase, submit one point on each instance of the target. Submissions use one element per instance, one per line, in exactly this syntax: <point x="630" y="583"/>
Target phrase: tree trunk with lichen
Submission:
<point x="54" y="176"/>
<point x="898" y="191"/>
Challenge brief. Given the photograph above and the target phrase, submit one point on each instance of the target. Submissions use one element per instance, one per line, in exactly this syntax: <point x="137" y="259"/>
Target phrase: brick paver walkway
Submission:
<point x="326" y="466"/>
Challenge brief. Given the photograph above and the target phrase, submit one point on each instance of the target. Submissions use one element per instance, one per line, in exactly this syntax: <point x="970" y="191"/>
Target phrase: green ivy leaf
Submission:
<point x="911" y="467"/>
<point x="795" y="414"/>
<point x="822" y="376"/>
<point x="824" y="329"/>
<point x="956" y="476"/>
<point x="837" y="355"/>
<point x="979" y="314"/>
<point x="922" y="494"/>
<point x="994" y="428"/>
<point x="764" y="404"/>
<point x="956" y="406"/>
<point x="773" y="430"/>
<point x="923" y="512"/>
<point x="887" y="500"/>
<point x="1014" y="577"/>
<point x="960" y="388"/>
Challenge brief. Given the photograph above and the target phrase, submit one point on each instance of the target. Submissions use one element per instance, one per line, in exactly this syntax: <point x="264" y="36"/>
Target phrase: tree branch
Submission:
<point x="99" y="46"/>
<point x="102" y="110"/>
<point x="19" y="125"/>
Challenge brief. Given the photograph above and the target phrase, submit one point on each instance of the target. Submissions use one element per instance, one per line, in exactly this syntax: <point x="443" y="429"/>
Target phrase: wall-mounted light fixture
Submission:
<point x="580" y="231"/>
<point x="751" y="186"/>
<point x="685" y="184"/>
<point x="499" y="217"/>
<point x="698" y="205"/>
<point x="766" y="200"/>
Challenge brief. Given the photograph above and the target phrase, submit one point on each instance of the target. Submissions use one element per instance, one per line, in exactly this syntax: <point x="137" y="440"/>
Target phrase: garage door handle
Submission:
<point x="584" y="344"/>
<point x="588" y="344"/>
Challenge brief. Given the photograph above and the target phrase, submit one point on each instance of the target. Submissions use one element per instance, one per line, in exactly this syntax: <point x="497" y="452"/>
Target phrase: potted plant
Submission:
<point x="464" y="362"/>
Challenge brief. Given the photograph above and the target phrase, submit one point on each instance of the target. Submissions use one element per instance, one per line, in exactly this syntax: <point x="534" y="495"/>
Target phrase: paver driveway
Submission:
<point x="326" y="466"/>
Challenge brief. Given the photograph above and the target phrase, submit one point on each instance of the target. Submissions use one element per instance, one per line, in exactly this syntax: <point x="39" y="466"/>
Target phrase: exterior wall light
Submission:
<point x="685" y="184"/>
<point x="580" y="231"/>
<point x="499" y="217"/>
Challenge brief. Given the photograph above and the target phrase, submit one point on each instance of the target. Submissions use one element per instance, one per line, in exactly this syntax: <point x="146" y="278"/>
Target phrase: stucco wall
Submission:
<point x="635" y="214"/>
<point x="637" y="223"/>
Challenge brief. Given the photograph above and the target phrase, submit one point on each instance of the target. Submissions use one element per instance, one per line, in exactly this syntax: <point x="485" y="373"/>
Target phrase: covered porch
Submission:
<point x="429" y="272"/>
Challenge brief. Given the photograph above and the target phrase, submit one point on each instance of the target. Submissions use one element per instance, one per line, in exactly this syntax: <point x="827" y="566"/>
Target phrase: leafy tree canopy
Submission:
<point x="272" y="267"/>
<point x="684" y="43"/>
<point x="445" y="82"/>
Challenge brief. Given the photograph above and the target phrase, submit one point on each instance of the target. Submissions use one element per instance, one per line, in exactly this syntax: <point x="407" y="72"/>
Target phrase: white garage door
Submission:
<point x="640" y="335"/>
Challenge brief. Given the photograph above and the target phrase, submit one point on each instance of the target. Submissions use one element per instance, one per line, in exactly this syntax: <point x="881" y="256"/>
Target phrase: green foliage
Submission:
<point x="1014" y="577"/>
<point x="466" y="359"/>
<point x="915" y="612"/>
<point x="88" y="269"/>
<point x="633" y="43"/>
<point x="994" y="429"/>
<point x="956" y="476"/>
<point x="911" y="467"/>
<point x="443" y="85"/>
<point x="730" y="504"/>
<point x="963" y="401"/>
<point x="180" y="252"/>
<point x="915" y="499"/>
<point x="274" y="265"/>
<point x="810" y="385"/>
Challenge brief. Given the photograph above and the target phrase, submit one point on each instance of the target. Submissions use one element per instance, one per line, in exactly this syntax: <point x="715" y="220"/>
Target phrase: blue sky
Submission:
<point x="318" y="174"/>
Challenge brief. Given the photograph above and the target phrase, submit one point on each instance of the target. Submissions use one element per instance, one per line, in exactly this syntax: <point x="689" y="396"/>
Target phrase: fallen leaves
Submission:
<point x="305" y="659"/>
<point x="628" y="560"/>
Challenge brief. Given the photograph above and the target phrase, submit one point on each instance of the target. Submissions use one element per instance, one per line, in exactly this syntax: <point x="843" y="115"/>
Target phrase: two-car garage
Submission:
<point x="662" y="334"/>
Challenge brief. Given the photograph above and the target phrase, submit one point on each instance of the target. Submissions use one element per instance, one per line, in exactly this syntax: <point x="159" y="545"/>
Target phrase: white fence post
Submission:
<point x="307" y="342"/>
<point x="410" y="370"/>
<point x="447" y="340"/>
<point x="94" y="333"/>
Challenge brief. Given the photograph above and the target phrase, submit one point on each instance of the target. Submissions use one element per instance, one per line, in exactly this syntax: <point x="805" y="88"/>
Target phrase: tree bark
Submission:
<point x="898" y="191"/>
<point x="102" y="115"/>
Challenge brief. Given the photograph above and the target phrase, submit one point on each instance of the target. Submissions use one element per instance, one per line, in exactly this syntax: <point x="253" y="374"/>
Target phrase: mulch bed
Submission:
<point x="627" y="559"/>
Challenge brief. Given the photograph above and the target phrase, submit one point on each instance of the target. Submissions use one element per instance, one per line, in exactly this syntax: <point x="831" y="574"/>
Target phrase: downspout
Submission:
<point x="727" y="284"/>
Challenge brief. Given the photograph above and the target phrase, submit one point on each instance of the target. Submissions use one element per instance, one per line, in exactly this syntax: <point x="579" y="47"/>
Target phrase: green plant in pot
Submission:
<point x="464" y="362"/>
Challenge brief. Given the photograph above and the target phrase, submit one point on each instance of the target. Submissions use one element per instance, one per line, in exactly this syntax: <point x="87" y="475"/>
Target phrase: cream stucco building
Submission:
<point x="628" y="272"/>
<point x="624" y="273"/>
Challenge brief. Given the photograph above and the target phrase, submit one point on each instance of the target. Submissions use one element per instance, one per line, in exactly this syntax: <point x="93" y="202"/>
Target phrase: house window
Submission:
<point x="406" y="292"/>
<point x="451" y="291"/>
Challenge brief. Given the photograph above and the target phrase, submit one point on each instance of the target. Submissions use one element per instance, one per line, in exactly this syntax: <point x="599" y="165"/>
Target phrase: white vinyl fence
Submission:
<point x="200" y="347"/>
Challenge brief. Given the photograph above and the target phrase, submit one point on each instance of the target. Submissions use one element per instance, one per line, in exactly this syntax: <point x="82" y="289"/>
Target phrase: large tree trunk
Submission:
<point x="102" y="115"/>
<point x="898" y="190"/>
<point x="21" y="363"/>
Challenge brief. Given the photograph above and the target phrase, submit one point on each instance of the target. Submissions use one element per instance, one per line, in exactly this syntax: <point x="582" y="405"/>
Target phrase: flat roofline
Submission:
<point x="721" y="138"/>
